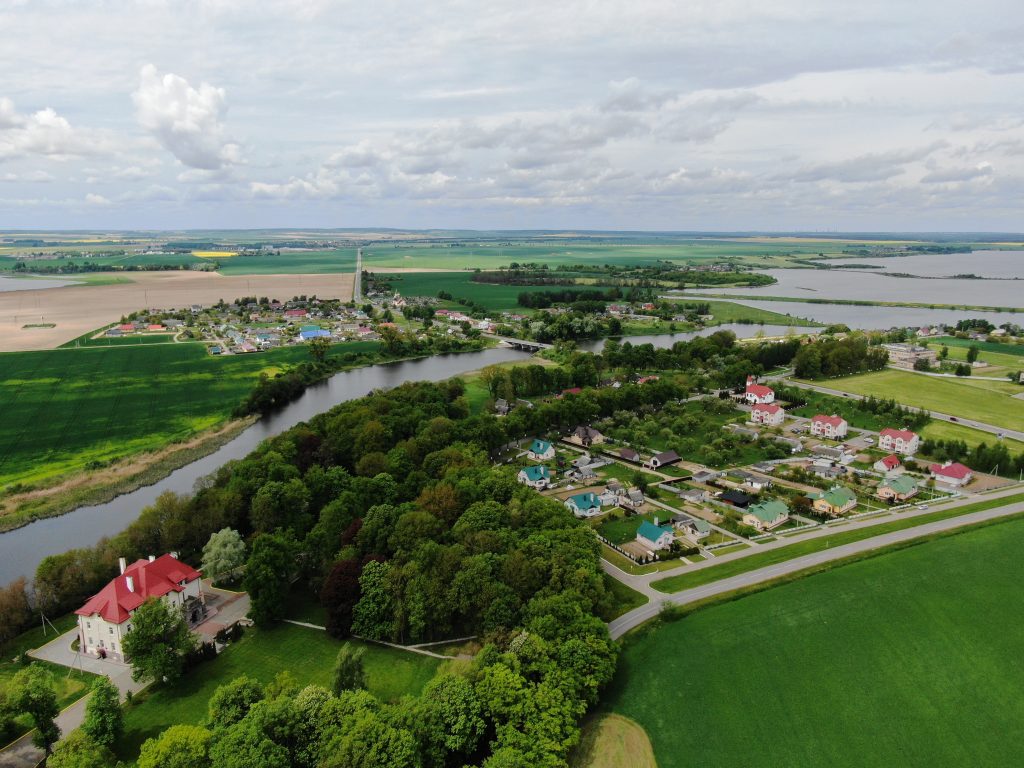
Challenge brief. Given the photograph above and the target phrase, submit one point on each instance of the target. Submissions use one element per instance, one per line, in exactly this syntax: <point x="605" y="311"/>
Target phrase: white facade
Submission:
<point x="824" y="428"/>
<point x="906" y="444"/>
<point x="770" y="417"/>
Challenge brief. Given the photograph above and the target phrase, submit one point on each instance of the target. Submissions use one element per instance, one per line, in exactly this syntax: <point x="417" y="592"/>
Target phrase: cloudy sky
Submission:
<point x="648" y="114"/>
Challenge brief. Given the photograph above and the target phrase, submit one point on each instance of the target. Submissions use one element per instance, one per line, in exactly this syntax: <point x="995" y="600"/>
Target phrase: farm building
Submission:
<point x="897" y="488"/>
<point x="694" y="527"/>
<point x="735" y="498"/>
<point x="628" y="454"/>
<point x="106" y="618"/>
<point x="899" y="441"/>
<point x="662" y="459"/>
<point x="536" y="476"/>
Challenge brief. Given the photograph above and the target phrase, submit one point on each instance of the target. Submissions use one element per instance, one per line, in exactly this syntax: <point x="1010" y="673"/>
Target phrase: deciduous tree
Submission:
<point x="223" y="553"/>
<point x="104" y="719"/>
<point x="158" y="641"/>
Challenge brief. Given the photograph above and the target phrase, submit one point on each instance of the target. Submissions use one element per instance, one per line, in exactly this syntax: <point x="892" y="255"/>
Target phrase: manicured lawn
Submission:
<point x="307" y="654"/>
<point x="624" y="474"/>
<point x="911" y="658"/>
<point x="985" y="401"/>
<point x="612" y="741"/>
<point x="623" y="528"/>
<point x="809" y="546"/>
<point x="64" y="408"/>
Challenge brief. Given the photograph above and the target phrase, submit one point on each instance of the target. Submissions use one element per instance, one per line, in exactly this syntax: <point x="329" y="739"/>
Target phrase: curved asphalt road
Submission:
<point x="637" y="616"/>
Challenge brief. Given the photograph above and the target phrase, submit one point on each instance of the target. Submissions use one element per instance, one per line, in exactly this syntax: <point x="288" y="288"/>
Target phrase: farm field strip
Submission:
<point x="791" y="551"/>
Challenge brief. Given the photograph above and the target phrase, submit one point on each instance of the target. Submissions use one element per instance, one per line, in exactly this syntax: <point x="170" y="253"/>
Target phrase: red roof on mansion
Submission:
<point x="891" y="461"/>
<point x="767" y="407"/>
<point x="898" y="434"/>
<point x="760" y="390"/>
<point x="140" y="581"/>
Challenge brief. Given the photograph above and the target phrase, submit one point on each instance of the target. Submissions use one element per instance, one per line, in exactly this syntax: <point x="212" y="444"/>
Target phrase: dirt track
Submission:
<point x="79" y="309"/>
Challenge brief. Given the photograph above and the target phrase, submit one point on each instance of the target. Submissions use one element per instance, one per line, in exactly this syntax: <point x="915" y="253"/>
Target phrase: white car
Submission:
<point x="869" y="440"/>
<point x="922" y="506"/>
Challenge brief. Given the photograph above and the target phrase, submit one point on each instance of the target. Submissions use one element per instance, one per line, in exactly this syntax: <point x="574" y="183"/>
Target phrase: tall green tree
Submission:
<point x="33" y="694"/>
<point x="104" y="719"/>
<point x="232" y="701"/>
<point x="268" y="577"/>
<point x="158" y="642"/>
<point x="224" y="552"/>
<point x="373" y="616"/>
<point x="349" y="673"/>
<point x="180" y="746"/>
<point x="78" y="750"/>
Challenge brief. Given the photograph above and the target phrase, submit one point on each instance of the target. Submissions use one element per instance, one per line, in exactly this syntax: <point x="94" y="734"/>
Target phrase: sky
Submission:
<point x="829" y="115"/>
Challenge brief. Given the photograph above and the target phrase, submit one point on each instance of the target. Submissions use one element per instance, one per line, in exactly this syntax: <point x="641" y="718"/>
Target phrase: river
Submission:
<point x="22" y="549"/>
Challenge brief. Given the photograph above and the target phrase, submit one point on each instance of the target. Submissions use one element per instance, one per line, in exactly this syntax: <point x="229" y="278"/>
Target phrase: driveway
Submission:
<point x="23" y="753"/>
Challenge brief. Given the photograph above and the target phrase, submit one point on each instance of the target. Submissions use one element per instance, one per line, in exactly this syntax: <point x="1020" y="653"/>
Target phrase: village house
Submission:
<point x="834" y="501"/>
<point x="766" y="515"/>
<point x="586" y="436"/>
<point x="634" y="498"/>
<point x="758" y="393"/>
<point x="770" y="415"/>
<point x="899" y="441"/>
<point x="584" y="504"/>
<point x="654" y="536"/>
<point x="106" y="618"/>
<point x="662" y="459"/>
<point x="693" y="527"/>
<point x="832" y="427"/>
<point x="951" y="473"/>
<point x="541" y="450"/>
<point x="694" y="495"/>
<point x="705" y="476"/>
<point x="536" y="476"/>
<point x="888" y="465"/>
<point x="897" y="488"/>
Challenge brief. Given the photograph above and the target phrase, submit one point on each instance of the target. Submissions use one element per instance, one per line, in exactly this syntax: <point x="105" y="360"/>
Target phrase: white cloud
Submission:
<point x="44" y="132"/>
<point x="187" y="121"/>
<point x="94" y="199"/>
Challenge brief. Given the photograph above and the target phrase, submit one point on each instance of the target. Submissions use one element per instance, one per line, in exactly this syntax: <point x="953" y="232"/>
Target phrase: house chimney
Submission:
<point x="655" y="520"/>
<point x="152" y="558"/>
<point x="131" y="583"/>
<point x="123" y="563"/>
<point x="174" y="555"/>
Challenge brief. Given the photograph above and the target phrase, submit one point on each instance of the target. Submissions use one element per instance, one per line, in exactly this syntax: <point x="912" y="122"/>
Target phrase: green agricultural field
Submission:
<point x="307" y="654"/>
<point x="291" y="262"/>
<point x="1017" y="350"/>
<point x="497" y="298"/>
<point x="911" y="658"/>
<point x="732" y="312"/>
<point x="943" y="430"/>
<point x="984" y="400"/>
<point x="64" y="408"/>
<point x="802" y="547"/>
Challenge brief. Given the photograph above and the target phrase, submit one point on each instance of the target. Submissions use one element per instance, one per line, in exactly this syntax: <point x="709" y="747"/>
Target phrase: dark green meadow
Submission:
<point x="911" y="658"/>
<point x="65" y="408"/>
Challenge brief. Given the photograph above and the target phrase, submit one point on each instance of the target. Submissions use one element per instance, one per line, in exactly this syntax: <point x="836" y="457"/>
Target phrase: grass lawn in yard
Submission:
<point x="983" y="400"/>
<point x="624" y="474"/>
<point x="619" y="529"/>
<point x="308" y="654"/>
<point x="809" y="546"/>
<point x="926" y="671"/>
<point x="944" y="430"/>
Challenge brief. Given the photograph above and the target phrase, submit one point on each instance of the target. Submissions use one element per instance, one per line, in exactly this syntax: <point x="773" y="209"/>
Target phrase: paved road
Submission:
<point x="634" y="618"/>
<point x="357" y="284"/>
<point x="979" y="425"/>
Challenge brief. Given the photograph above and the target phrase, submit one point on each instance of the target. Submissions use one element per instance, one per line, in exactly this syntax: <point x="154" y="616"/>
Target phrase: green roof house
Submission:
<point x="834" y="501"/>
<point x="897" y="488"/>
<point x="766" y="515"/>
<point x="654" y="536"/>
<point x="584" y="504"/>
<point x="541" y="450"/>
<point x="536" y="476"/>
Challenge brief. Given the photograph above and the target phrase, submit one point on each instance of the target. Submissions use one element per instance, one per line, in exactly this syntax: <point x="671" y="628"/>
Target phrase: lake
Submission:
<point x="666" y="340"/>
<point x="996" y="264"/>
<point x="871" y="286"/>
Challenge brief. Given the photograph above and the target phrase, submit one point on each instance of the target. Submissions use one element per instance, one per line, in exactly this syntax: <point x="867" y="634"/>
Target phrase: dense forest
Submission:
<point x="827" y="358"/>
